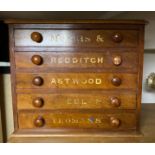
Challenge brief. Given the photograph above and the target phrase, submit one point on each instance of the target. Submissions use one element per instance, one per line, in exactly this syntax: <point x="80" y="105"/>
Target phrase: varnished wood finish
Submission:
<point x="37" y="102"/>
<point x="77" y="101"/>
<point x="39" y="121"/>
<point x="76" y="80"/>
<point x="37" y="81"/>
<point x="76" y="72"/>
<point x="76" y="120"/>
<point x="115" y="101"/>
<point x="37" y="37"/>
<point x="115" y="122"/>
<point x="103" y="60"/>
<point x="117" y="60"/>
<point x="116" y="80"/>
<point x="117" y="37"/>
<point x="76" y="38"/>
<point x="146" y="134"/>
<point x="36" y="59"/>
<point x="128" y="22"/>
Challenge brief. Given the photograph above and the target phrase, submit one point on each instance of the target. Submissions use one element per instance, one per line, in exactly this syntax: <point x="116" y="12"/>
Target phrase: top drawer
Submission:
<point x="75" y="38"/>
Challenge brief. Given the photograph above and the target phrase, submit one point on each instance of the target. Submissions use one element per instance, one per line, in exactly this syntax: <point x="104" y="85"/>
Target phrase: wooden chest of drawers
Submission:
<point x="76" y="76"/>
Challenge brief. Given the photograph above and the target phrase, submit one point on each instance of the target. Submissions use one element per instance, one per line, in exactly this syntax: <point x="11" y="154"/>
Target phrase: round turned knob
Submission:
<point x="39" y="121"/>
<point x="117" y="37"/>
<point x="37" y="37"/>
<point x="38" y="102"/>
<point x="115" y="122"/>
<point x="117" y="60"/>
<point x="115" y="102"/>
<point x="38" y="81"/>
<point x="37" y="59"/>
<point x="116" y="81"/>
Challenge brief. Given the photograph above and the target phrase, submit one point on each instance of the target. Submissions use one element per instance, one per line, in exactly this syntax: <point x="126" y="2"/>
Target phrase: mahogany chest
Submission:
<point x="76" y="77"/>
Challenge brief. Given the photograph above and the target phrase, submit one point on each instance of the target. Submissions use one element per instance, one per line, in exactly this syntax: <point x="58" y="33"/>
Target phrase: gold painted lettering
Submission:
<point x="98" y="81"/>
<point x="60" y="60"/>
<point x="99" y="39"/>
<point x="67" y="60"/>
<point x="68" y="120"/>
<point x="75" y="121"/>
<point x="69" y="101"/>
<point x="100" y="60"/>
<point x="53" y="60"/>
<point x="98" y="121"/>
<point x="75" y="81"/>
<point x="57" y="121"/>
<point x="53" y="81"/>
<point x="84" y="81"/>
<point x="86" y="59"/>
<point x="84" y="102"/>
<point x="74" y="60"/>
<point x="81" y="39"/>
<point x="59" y="81"/>
<point x="98" y="101"/>
<point x="91" y="81"/>
<point x="67" y="80"/>
<point x="57" y="37"/>
<point x="93" y="60"/>
<point x="87" y="39"/>
<point x="76" y="101"/>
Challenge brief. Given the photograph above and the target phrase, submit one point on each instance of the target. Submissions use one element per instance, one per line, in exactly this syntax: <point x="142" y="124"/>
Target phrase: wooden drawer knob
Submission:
<point x="38" y="81"/>
<point x="115" y="122"/>
<point x="37" y="59"/>
<point x="117" y="37"/>
<point x="37" y="37"/>
<point x="117" y="60"/>
<point x="116" y="81"/>
<point x="39" y="121"/>
<point x="115" y="101"/>
<point x="38" y="102"/>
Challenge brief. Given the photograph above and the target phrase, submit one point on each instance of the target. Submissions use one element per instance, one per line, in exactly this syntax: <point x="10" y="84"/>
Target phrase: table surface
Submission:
<point x="147" y="133"/>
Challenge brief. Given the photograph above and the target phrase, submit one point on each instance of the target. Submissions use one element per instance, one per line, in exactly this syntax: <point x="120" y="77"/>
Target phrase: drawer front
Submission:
<point x="105" y="60"/>
<point x="76" y="80"/>
<point x="76" y="38"/>
<point x="77" y="101"/>
<point x="77" y="120"/>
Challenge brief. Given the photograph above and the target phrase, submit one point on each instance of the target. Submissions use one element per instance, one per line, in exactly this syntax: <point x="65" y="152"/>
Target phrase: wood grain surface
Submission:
<point x="67" y="77"/>
<point x="77" y="38"/>
<point x="77" y="101"/>
<point x="76" y="60"/>
<point x="76" y="120"/>
<point x="76" y="80"/>
<point x="146" y="134"/>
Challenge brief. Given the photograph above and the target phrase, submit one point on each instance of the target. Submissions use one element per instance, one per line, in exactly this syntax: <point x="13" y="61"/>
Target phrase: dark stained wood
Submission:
<point x="117" y="37"/>
<point x="76" y="38"/>
<point x="41" y="86"/>
<point x="13" y="76"/>
<point x="140" y="73"/>
<point x="128" y="22"/>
